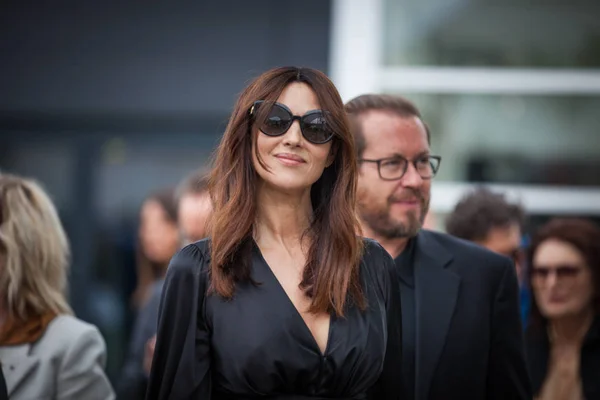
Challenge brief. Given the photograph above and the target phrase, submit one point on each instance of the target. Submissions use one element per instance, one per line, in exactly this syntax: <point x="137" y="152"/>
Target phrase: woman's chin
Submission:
<point x="290" y="183"/>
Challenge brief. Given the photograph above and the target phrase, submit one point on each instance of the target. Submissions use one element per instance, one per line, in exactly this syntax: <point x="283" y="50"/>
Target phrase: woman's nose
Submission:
<point x="294" y="135"/>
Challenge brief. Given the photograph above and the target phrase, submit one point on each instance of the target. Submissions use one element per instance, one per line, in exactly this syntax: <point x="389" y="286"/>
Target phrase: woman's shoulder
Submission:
<point x="190" y="265"/>
<point x="376" y="261"/>
<point x="378" y="270"/>
<point x="70" y="326"/>
<point x="374" y="252"/>
<point x="65" y="331"/>
<point x="192" y="258"/>
<point x="202" y="246"/>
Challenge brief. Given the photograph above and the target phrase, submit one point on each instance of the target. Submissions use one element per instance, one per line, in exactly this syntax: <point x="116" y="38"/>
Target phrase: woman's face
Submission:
<point x="561" y="281"/>
<point x="294" y="164"/>
<point x="158" y="235"/>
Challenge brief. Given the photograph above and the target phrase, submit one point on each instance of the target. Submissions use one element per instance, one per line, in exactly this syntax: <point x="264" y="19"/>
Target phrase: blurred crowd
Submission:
<point x="558" y="268"/>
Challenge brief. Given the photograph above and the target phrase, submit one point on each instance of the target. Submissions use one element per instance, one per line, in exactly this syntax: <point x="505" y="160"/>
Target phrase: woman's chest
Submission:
<point x="260" y="332"/>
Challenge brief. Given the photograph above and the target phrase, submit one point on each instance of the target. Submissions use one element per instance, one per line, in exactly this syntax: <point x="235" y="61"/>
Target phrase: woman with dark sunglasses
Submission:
<point x="563" y="339"/>
<point x="283" y="301"/>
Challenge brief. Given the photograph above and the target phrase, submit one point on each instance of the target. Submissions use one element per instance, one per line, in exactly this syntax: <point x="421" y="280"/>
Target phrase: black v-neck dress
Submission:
<point x="258" y="346"/>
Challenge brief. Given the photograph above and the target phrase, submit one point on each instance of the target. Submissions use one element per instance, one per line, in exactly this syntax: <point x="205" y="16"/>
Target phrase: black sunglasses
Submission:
<point x="563" y="271"/>
<point x="313" y="124"/>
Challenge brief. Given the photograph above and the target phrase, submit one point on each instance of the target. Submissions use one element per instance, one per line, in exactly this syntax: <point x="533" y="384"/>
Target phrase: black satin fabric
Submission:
<point x="258" y="346"/>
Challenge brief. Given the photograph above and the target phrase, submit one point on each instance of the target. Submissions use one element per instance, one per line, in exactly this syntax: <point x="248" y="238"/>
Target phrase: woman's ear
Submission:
<point x="332" y="153"/>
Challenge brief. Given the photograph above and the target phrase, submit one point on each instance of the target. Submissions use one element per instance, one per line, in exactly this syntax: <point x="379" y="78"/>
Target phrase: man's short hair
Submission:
<point x="478" y="212"/>
<point x="194" y="183"/>
<point x="398" y="105"/>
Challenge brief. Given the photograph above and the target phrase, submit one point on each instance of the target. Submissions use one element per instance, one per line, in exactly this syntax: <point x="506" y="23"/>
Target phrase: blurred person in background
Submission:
<point x="193" y="208"/>
<point x="45" y="352"/>
<point x="462" y="335"/>
<point x="488" y="219"/>
<point x="158" y="240"/>
<point x="299" y="306"/>
<point x="563" y="339"/>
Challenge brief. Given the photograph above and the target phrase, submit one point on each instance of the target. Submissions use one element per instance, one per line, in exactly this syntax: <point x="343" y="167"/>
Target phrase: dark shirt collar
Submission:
<point x="405" y="263"/>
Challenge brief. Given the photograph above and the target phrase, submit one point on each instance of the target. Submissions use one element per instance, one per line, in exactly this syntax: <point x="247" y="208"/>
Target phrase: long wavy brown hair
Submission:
<point x="331" y="274"/>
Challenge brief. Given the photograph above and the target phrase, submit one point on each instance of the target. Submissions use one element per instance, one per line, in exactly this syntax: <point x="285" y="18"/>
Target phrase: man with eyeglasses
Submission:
<point x="462" y="336"/>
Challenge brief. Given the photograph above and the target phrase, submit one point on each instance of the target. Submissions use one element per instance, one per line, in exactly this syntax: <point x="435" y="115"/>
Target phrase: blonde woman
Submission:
<point x="45" y="352"/>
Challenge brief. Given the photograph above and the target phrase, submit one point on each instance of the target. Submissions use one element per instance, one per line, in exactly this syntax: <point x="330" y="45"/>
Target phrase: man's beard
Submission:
<point x="380" y="221"/>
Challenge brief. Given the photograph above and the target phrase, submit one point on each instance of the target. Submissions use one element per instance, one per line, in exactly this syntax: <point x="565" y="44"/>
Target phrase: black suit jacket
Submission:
<point x="469" y="339"/>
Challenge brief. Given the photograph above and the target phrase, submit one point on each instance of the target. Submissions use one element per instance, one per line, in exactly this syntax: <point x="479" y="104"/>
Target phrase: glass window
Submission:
<point x="556" y="34"/>
<point x="514" y="139"/>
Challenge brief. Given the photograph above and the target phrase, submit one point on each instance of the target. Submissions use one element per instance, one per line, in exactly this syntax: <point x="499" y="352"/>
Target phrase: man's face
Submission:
<point x="194" y="210"/>
<point x="393" y="209"/>
<point x="505" y="240"/>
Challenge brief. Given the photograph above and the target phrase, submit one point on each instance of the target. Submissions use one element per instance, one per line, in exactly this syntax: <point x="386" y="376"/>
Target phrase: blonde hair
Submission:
<point x="34" y="250"/>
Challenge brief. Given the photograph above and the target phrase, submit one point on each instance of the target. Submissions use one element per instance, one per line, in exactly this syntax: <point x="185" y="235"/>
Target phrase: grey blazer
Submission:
<point x="66" y="363"/>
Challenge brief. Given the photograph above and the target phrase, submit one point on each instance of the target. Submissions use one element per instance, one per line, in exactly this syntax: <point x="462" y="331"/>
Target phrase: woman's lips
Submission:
<point x="290" y="159"/>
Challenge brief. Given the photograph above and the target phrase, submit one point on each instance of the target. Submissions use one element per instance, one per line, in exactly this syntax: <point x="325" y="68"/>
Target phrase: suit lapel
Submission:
<point x="17" y="364"/>
<point x="436" y="293"/>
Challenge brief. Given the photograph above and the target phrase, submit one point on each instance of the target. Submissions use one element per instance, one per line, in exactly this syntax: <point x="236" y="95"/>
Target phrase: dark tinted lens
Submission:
<point x="540" y="272"/>
<point x="565" y="271"/>
<point x="277" y="122"/>
<point x="315" y="128"/>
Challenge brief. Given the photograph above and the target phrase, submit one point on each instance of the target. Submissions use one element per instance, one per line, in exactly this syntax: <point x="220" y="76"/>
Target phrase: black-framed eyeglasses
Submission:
<point x="394" y="168"/>
<point x="313" y="124"/>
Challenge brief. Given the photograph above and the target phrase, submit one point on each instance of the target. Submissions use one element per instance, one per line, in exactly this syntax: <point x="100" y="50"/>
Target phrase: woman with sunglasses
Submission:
<point x="283" y="301"/>
<point x="563" y="339"/>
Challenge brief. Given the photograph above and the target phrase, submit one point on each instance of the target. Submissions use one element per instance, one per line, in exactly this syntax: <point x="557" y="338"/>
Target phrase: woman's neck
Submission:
<point x="572" y="327"/>
<point x="282" y="217"/>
